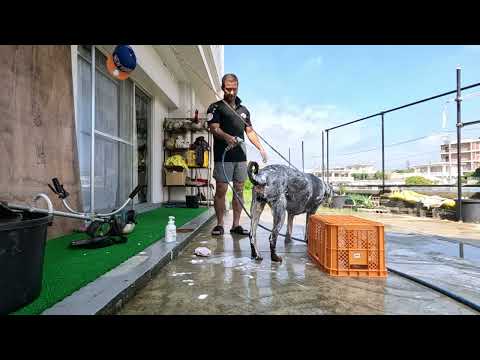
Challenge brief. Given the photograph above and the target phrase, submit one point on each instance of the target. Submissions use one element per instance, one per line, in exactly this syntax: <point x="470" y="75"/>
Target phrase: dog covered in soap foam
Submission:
<point x="285" y="190"/>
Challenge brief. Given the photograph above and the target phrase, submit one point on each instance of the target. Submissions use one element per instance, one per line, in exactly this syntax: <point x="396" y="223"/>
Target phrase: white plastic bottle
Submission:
<point x="171" y="230"/>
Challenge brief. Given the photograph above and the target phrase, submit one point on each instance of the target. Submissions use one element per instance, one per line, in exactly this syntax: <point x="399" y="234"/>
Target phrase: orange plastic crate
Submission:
<point x="347" y="245"/>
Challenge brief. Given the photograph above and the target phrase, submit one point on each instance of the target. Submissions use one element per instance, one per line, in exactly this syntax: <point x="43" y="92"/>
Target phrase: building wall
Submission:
<point x="37" y="129"/>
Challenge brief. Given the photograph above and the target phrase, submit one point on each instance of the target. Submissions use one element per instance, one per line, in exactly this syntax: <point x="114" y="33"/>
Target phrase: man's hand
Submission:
<point x="231" y="140"/>
<point x="219" y="133"/>
<point x="264" y="155"/>
<point x="254" y="140"/>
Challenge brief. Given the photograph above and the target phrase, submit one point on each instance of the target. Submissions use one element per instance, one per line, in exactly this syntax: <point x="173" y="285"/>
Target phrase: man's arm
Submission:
<point x="214" y="121"/>
<point x="220" y="134"/>
<point x="252" y="136"/>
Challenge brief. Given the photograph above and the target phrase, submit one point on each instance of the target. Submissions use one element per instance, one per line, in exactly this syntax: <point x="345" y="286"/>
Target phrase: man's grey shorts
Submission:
<point x="236" y="171"/>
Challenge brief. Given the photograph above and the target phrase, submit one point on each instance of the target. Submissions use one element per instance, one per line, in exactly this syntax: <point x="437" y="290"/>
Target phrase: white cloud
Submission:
<point x="285" y="125"/>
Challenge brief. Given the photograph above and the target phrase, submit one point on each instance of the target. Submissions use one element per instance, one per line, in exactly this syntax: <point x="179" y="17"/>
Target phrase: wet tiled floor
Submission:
<point x="229" y="282"/>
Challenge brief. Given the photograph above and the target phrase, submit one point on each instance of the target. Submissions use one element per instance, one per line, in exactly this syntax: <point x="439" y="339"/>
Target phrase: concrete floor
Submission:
<point x="229" y="282"/>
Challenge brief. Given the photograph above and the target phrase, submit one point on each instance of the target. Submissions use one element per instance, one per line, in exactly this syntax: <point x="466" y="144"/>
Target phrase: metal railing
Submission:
<point x="381" y="114"/>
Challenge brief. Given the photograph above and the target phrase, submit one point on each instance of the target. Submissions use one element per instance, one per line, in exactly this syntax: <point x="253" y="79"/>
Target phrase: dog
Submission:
<point x="285" y="190"/>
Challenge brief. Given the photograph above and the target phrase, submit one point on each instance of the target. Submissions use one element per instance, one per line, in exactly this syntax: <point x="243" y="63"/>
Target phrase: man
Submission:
<point x="225" y="125"/>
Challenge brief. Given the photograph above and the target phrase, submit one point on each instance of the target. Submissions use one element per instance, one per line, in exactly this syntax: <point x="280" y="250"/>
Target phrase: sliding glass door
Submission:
<point x="113" y="133"/>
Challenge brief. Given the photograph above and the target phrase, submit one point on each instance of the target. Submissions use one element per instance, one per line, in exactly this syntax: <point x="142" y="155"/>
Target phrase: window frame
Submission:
<point x="117" y="140"/>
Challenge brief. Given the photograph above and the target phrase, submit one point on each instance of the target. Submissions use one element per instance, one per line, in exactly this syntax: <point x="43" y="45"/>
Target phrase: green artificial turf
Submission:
<point x="66" y="270"/>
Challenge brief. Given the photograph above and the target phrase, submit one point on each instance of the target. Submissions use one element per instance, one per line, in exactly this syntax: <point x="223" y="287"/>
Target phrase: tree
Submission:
<point x="476" y="173"/>
<point x="418" y="180"/>
<point x="403" y="171"/>
<point x="359" y="176"/>
<point x="378" y="175"/>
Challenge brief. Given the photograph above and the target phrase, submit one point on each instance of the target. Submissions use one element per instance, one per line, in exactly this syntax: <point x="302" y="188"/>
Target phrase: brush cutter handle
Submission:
<point x="135" y="192"/>
<point x="58" y="189"/>
<point x="47" y="200"/>
<point x="130" y="198"/>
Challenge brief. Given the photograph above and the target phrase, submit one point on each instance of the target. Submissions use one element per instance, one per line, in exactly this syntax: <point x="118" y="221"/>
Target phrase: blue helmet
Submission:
<point x="122" y="62"/>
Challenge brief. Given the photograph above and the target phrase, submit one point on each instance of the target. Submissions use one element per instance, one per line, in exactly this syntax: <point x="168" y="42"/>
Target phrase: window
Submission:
<point x="113" y="153"/>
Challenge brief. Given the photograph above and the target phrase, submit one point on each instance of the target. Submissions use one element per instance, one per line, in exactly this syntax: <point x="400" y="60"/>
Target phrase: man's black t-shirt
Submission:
<point x="232" y="125"/>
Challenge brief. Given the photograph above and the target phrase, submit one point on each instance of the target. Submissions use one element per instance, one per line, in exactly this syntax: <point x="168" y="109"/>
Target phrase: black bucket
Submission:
<point x="22" y="251"/>
<point x="471" y="210"/>
<point x="338" y="201"/>
<point x="192" y="201"/>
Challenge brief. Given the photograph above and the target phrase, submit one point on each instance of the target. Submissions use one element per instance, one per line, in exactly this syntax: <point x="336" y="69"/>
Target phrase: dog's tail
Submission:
<point x="252" y="171"/>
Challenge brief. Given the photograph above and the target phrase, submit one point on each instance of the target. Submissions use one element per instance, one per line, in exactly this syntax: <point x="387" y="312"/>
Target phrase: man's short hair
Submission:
<point x="227" y="77"/>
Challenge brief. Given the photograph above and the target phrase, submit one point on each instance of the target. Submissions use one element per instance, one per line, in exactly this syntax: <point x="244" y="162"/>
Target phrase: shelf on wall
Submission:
<point x="192" y="129"/>
<point x="185" y="118"/>
<point x="200" y="186"/>
<point x="190" y="167"/>
<point x="189" y="130"/>
<point x="183" y="131"/>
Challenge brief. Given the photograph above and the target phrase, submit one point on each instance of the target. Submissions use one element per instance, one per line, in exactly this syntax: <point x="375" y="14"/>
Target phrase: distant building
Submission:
<point x="345" y="174"/>
<point x="469" y="155"/>
<point x="446" y="170"/>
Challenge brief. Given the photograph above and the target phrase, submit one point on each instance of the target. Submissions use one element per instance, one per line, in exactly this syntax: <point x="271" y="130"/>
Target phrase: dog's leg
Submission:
<point x="255" y="211"/>
<point x="278" y="212"/>
<point x="288" y="238"/>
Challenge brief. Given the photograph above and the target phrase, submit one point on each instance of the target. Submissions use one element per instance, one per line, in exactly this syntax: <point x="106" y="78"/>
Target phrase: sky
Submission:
<point x="295" y="92"/>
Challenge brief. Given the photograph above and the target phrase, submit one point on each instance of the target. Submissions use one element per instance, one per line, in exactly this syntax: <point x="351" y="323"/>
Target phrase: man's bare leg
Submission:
<point x="237" y="206"/>
<point x="219" y="202"/>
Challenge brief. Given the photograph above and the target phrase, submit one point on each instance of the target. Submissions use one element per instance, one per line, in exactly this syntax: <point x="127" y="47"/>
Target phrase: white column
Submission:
<point x="159" y="111"/>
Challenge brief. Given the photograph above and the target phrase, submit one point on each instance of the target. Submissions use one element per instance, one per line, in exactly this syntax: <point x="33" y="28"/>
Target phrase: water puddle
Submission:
<point x="427" y="245"/>
<point x="439" y="247"/>
<point x="175" y="274"/>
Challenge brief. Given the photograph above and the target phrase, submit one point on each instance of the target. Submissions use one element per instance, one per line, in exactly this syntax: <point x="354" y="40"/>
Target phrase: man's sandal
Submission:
<point x="239" y="230"/>
<point x="218" y="230"/>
